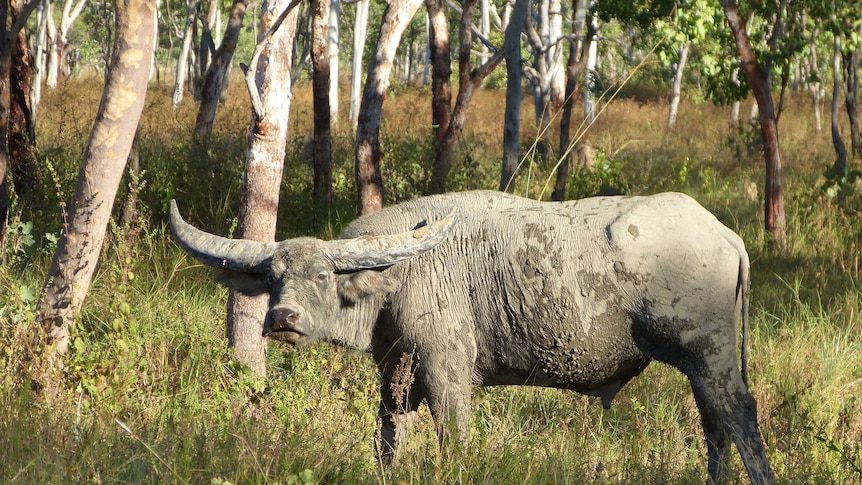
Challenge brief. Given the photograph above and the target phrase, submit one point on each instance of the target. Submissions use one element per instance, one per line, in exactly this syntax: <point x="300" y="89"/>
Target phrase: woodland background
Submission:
<point x="150" y="389"/>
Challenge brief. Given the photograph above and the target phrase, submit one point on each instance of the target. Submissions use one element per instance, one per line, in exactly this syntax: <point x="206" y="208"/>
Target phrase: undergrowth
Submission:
<point x="153" y="395"/>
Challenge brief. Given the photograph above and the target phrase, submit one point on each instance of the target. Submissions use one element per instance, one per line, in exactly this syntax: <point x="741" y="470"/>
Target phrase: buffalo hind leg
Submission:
<point x="729" y="410"/>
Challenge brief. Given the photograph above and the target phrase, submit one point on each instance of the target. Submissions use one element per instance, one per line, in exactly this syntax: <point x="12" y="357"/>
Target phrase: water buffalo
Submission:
<point x="496" y="289"/>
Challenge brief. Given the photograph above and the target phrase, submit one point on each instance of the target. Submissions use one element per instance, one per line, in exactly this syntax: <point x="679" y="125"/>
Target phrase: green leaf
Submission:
<point x="27" y="293"/>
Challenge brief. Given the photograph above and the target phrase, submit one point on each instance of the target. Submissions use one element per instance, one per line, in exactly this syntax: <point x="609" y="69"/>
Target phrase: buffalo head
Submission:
<point x="309" y="281"/>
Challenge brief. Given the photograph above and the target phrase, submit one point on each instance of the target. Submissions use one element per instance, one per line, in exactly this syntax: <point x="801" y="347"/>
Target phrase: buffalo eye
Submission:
<point x="322" y="277"/>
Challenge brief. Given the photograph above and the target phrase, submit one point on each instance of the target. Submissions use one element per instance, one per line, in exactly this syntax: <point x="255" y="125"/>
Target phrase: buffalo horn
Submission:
<point x="367" y="252"/>
<point x="229" y="254"/>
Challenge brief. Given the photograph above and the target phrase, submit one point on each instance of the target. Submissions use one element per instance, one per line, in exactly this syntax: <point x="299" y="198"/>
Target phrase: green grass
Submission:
<point x="154" y="397"/>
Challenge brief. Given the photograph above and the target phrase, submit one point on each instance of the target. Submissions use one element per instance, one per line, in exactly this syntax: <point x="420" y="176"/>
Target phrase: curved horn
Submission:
<point x="367" y="252"/>
<point x="230" y="254"/>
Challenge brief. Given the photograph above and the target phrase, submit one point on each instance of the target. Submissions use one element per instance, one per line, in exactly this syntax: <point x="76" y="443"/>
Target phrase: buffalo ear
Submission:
<point x="355" y="286"/>
<point x="249" y="284"/>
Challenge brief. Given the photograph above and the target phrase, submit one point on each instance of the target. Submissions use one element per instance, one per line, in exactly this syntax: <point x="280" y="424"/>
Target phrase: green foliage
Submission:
<point x="605" y="177"/>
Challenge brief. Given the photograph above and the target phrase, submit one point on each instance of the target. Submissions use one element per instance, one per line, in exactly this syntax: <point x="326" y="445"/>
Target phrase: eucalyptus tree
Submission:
<point x="583" y="38"/>
<point x="322" y="132"/>
<point x="74" y="263"/>
<point x="546" y="73"/>
<point x="360" y="31"/>
<point x="369" y="178"/>
<point x="216" y="74"/>
<point x="182" y="66"/>
<point x="269" y="82"/>
<point x="16" y="124"/>
<point x="516" y="21"/>
<point x="469" y="79"/>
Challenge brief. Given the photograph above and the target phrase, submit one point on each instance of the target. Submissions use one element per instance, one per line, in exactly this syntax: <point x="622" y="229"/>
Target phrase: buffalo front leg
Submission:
<point x="400" y="397"/>
<point x="448" y="390"/>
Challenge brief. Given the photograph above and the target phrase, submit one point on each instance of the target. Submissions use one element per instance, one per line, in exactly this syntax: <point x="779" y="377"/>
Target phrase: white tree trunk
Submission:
<point x="676" y="92"/>
<point x="71" y="11"/>
<point x="39" y="44"/>
<point x="183" y="61"/>
<point x="334" y="19"/>
<point x="484" y="28"/>
<point x="360" y="29"/>
<point x="590" y="80"/>
<point x="52" y="71"/>
<point x="556" y="71"/>
<point x="262" y="178"/>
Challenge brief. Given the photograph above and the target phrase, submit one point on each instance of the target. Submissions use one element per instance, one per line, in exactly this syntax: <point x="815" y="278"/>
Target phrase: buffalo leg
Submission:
<point x="728" y="409"/>
<point x="448" y="396"/>
<point x="399" y="400"/>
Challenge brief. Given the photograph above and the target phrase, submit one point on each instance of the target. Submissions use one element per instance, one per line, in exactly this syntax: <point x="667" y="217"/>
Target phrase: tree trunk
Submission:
<point x="5" y="69"/>
<point x="216" y="74"/>
<point x="469" y="80"/>
<point x="757" y="80"/>
<point x="130" y="205"/>
<point x="574" y="70"/>
<point x="369" y="179"/>
<point x="21" y="135"/>
<point x="262" y="179"/>
<point x="322" y="153"/>
<point x="360" y="29"/>
<point x="71" y="11"/>
<point x="676" y="92"/>
<point x="851" y="99"/>
<point x="439" y="53"/>
<point x="334" y="18"/>
<point x="814" y="86"/>
<point x="39" y="45"/>
<point x="590" y="74"/>
<point x="441" y="68"/>
<point x="185" y="51"/>
<point x="114" y="129"/>
<point x="840" y="168"/>
<point x="512" y="116"/>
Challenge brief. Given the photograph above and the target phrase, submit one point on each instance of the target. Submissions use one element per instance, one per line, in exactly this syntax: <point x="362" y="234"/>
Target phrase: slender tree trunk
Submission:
<point x="5" y="68"/>
<point x="130" y="205"/>
<point x="262" y="179"/>
<point x="512" y="116"/>
<point x="590" y="74"/>
<point x="322" y="153"/>
<point x="441" y="69"/>
<point x="676" y="92"/>
<point x="185" y="51"/>
<point x="360" y="29"/>
<point x="574" y="71"/>
<point x="216" y="75"/>
<point x="369" y="179"/>
<point x="851" y="99"/>
<point x="21" y="135"/>
<point x="114" y="129"/>
<point x="757" y="80"/>
<point x="334" y="19"/>
<point x="840" y="168"/>
<point x="814" y="86"/>
<point x="39" y="44"/>
<point x="469" y="80"/>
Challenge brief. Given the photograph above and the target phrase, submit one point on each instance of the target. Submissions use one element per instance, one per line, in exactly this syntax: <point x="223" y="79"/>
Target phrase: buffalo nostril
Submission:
<point x="280" y="319"/>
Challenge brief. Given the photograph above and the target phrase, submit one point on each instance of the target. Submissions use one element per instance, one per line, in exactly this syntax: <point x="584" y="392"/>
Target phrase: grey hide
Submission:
<point x="578" y="295"/>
